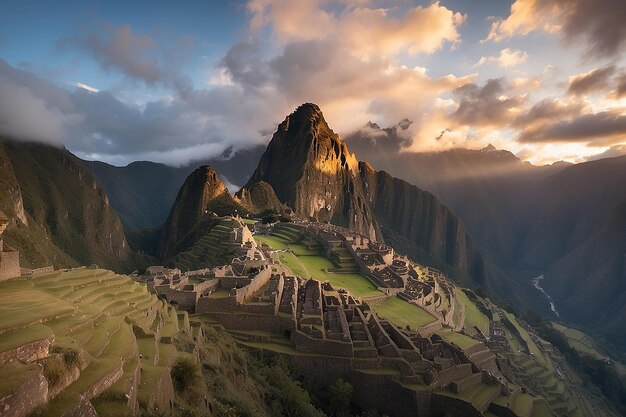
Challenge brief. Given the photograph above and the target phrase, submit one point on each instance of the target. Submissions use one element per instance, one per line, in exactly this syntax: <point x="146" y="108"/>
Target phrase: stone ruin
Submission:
<point x="9" y="257"/>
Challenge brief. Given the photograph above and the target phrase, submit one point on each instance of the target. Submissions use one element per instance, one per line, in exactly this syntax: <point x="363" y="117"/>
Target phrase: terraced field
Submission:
<point x="404" y="314"/>
<point x="212" y="249"/>
<point x="310" y="263"/>
<point x="473" y="316"/>
<point x="101" y="327"/>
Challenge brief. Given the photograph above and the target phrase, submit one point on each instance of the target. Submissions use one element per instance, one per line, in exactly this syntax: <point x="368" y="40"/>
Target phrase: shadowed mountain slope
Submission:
<point x="51" y="224"/>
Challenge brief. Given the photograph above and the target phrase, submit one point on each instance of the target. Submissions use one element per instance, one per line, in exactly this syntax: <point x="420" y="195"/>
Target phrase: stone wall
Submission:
<point x="272" y="324"/>
<point x="30" y="395"/>
<point x="9" y="265"/>
<point x="244" y="294"/>
<point x="83" y="409"/>
<point x="42" y="270"/>
<point x="185" y="300"/>
<point x="332" y="347"/>
<point x="453" y="406"/>
<point x="105" y="382"/>
<point x="29" y="352"/>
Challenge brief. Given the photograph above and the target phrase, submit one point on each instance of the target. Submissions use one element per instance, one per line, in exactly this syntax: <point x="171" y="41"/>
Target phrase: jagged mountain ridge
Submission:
<point x="143" y="192"/>
<point x="202" y="196"/>
<point x="312" y="171"/>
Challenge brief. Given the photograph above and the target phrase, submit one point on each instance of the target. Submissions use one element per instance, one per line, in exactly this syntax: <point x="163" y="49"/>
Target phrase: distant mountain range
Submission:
<point x="515" y="220"/>
<point x="563" y="221"/>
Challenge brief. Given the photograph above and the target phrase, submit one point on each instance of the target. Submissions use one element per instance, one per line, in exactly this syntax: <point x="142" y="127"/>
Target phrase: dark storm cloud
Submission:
<point x="620" y="90"/>
<point x="548" y="110"/>
<point x="484" y="106"/>
<point x="597" y="23"/>
<point x="594" y="81"/>
<point x="599" y="129"/>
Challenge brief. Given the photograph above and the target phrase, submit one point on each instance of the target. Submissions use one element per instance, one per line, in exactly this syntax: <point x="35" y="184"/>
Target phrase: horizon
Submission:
<point x="184" y="83"/>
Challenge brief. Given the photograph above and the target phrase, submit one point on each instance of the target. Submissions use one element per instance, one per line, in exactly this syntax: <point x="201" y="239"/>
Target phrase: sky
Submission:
<point x="182" y="81"/>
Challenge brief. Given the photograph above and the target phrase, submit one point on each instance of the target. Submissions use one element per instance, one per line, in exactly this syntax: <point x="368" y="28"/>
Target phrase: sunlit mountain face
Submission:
<point x="355" y="208"/>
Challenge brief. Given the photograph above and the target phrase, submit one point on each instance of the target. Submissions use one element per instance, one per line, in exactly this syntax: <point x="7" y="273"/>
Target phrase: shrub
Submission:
<point x="71" y="358"/>
<point x="53" y="370"/>
<point x="185" y="374"/>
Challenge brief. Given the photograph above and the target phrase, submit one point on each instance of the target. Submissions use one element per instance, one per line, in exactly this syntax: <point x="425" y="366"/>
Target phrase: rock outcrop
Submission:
<point x="312" y="171"/>
<point x="202" y="196"/>
<point x="60" y="214"/>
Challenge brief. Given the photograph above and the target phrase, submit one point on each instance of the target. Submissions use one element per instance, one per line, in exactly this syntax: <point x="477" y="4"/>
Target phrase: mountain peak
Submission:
<point x="194" y="202"/>
<point x="404" y="124"/>
<point x="372" y="125"/>
<point x="488" y="148"/>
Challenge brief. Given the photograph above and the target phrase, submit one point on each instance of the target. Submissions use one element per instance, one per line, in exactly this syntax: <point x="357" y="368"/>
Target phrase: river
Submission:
<point x="535" y="282"/>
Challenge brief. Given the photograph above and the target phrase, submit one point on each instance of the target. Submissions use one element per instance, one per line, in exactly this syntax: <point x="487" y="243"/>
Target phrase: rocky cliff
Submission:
<point x="52" y="226"/>
<point x="312" y="171"/>
<point x="202" y="196"/>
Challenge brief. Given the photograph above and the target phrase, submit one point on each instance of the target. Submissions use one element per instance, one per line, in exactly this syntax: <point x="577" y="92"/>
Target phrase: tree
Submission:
<point x="340" y="397"/>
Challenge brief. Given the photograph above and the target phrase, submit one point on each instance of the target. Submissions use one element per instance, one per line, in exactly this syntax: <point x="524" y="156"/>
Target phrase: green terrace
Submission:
<point x="307" y="263"/>
<point x="94" y="313"/>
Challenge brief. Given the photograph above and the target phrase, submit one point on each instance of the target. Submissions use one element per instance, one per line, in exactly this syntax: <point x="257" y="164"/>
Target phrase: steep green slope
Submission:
<point x="202" y="197"/>
<point x="143" y="192"/>
<point x="64" y="205"/>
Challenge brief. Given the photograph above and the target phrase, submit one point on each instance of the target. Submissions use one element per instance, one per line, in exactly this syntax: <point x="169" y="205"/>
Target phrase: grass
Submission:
<point x="17" y="298"/>
<point x="534" y="350"/>
<point x="473" y="316"/>
<point x="461" y="340"/>
<point x="402" y="313"/>
<point x="310" y="263"/>
<point x="273" y="242"/>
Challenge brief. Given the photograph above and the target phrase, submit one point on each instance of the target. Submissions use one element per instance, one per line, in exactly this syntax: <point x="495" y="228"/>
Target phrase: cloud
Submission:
<point x="612" y="152"/>
<point x="547" y="111"/>
<point x="118" y="48"/>
<point x="487" y="105"/>
<point x="620" y="89"/>
<point x="86" y="87"/>
<point x="366" y="31"/>
<point x="591" y="82"/>
<point x="508" y="58"/>
<point x="596" y="129"/>
<point x="599" y="23"/>
<point x="32" y="109"/>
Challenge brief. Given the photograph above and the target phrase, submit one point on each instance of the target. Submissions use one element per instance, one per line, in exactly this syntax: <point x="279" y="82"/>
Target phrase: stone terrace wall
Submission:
<point x="306" y="343"/>
<point x="371" y="391"/>
<point x="31" y="394"/>
<point x="29" y="352"/>
<point x="271" y="324"/>
<point x="244" y="294"/>
<point x="453" y="406"/>
<point x="9" y="265"/>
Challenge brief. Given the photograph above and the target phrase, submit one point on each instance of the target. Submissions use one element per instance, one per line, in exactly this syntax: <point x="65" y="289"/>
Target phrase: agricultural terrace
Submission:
<point x="403" y="313"/>
<point x="104" y="322"/>
<point x="311" y="263"/>
<point x="473" y="315"/>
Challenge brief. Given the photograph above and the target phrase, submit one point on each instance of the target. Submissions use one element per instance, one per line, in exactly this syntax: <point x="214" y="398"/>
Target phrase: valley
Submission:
<point x="330" y="273"/>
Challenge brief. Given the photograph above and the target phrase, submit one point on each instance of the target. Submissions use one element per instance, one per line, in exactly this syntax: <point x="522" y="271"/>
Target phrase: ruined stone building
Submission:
<point x="9" y="257"/>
